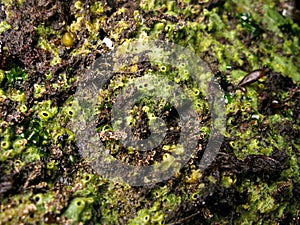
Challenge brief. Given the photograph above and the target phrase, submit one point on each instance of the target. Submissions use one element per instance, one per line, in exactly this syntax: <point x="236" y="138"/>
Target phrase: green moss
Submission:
<point x="15" y="74"/>
<point x="20" y="144"/>
<point x="143" y="217"/>
<point x="39" y="90"/>
<point x="45" y="115"/>
<point x="31" y="154"/>
<point x="76" y="209"/>
<point x="227" y="181"/>
<point x="39" y="149"/>
<point x="42" y="199"/>
<point x="4" y="26"/>
<point x="5" y="145"/>
<point x="97" y="8"/>
<point x="46" y="45"/>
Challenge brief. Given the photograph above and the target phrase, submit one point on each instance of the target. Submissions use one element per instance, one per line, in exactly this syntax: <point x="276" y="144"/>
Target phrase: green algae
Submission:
<point x="215" y="34"/>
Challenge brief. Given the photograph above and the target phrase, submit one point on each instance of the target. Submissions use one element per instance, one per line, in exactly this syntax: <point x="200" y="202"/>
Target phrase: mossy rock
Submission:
<point x="46" y="48"/>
